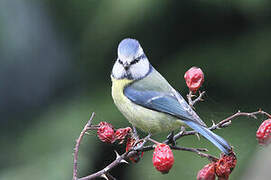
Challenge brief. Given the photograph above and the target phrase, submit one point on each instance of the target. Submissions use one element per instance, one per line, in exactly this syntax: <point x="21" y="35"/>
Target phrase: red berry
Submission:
<point x="121" y="133"/>
<point x="225" y="165"/>
<point x="130" y="143"/>
<point x="207" y="172"/>
<point x="106" y="132"/>
<point x="194" y="78"/>
<point x="163" y="158"/>
<point x="264" y="132"/>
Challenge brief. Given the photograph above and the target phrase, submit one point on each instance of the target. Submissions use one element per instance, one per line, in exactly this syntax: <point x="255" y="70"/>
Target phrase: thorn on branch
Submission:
<point x="104" y="176"/>
<point x="110" y="177"/>
<point x="90" y="119"/>
<point x="122" y="160"/>
<point x="226" y="124"/>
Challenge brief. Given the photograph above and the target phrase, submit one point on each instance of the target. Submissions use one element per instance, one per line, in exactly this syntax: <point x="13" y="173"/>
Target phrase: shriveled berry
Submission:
<point x="225" y="165"/>
<point x="121" y="133"/>
<point x="264" y="132"/>
<point x="106" y="132"/>
<point x="138" y="155"/>
<point x="207" y="172"/>
<point x="194" y="78"/>
<point x="163" y="158"/>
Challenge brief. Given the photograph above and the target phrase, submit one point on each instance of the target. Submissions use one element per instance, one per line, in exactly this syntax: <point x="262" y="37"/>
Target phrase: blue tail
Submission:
<point x="215" y="139"/>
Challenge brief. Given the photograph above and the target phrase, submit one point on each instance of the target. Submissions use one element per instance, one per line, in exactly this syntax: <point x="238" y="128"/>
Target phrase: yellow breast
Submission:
<point x="141" y="117"/>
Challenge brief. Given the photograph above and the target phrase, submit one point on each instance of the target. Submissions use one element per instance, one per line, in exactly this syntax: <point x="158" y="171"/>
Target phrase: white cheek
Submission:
<point x="118" y="71"/>
<point x="140" y="69"/>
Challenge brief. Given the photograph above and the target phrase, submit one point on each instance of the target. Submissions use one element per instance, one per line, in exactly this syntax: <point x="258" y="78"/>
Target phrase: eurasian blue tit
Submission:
<point x="148" y="101"/>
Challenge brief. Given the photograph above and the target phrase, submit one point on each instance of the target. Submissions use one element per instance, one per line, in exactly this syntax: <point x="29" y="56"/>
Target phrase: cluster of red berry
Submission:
<point x="163" y="158"/>
<point x="108" y="134"/>
<point x="221" y="168"/>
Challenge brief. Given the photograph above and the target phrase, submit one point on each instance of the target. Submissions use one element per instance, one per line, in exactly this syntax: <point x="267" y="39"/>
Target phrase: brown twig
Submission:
<point x="198" y="151"/>
<point x="121" y="158"/>
<point x="224" y="123"/>
<point x="190" y="96"/>
<point x="76" y="149"/>
<point x="104" y="172"/>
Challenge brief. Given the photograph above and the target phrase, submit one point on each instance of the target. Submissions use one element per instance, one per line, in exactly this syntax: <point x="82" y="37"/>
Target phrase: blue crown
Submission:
<point x="128" y="47"/>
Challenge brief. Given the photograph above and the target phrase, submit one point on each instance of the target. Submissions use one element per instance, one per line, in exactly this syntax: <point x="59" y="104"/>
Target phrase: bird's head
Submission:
<point x="131" y="63"/>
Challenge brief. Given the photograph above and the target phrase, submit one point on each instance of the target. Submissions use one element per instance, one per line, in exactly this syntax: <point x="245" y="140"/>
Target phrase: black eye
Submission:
<point x="135" y="61"/>
<point x="120" y="61"/>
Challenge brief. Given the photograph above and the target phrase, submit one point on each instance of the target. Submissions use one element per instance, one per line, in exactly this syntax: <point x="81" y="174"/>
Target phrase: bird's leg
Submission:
<point x="170" y="139"/>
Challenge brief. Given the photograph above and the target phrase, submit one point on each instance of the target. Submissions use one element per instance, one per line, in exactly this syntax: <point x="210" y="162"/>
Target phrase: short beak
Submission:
<point x="126" y="66"/>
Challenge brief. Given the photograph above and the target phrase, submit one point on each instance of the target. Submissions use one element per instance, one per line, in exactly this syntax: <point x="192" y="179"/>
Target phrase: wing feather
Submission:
<point x="162" y="102"/>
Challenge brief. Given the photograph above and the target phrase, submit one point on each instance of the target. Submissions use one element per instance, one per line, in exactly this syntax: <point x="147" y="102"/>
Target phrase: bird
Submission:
<point x="148" y="101"/>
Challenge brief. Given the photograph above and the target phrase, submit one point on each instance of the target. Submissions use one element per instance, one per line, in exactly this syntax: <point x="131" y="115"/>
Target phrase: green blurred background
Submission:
<point x="55" y="63"/>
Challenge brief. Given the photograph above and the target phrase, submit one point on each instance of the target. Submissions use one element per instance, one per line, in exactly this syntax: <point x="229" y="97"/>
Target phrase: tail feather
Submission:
<point x="215" y="139"/>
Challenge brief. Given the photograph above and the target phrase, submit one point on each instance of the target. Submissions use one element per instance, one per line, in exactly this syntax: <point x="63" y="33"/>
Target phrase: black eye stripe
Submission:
<point x="134" y="61"/>
<point x="120" y="61"/>
<point x="138" y="59"/>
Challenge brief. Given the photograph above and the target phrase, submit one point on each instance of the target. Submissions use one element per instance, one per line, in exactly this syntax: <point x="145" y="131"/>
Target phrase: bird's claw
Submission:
<point x="141" y="142"/>
<point x="171" y="139"/>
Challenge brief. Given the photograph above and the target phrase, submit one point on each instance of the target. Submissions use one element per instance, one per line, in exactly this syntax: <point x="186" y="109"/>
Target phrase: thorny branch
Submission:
<point x="76" y="149"/>
<point x="170" y="141"/>
<point x="191" y="102"/>
<point x="224" y="123"/>
<point x="105" y="172"/>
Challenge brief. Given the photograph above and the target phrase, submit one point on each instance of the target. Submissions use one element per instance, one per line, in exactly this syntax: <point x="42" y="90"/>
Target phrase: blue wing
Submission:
<point x="168" y="103"/>
<point x="162" y="102"/>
